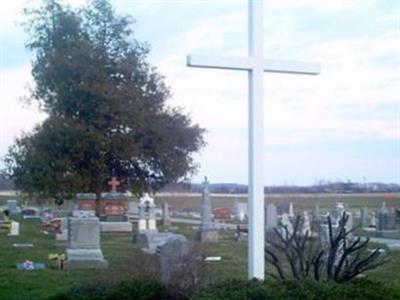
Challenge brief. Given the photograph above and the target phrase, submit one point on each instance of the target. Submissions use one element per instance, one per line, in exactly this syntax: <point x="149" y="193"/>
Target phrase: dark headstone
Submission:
<point x="113" y="207"/>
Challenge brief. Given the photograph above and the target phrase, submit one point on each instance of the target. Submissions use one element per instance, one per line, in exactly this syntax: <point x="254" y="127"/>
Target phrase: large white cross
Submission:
<point x="255" y="65"/>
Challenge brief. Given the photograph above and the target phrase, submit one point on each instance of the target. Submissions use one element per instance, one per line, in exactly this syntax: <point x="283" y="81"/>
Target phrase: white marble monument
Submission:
<point x="14" y="229"/>
<point x="147" y="217"/>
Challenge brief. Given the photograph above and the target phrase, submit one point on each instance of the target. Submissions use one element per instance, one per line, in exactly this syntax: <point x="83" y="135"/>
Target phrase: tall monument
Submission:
<point x="207" y="231"/>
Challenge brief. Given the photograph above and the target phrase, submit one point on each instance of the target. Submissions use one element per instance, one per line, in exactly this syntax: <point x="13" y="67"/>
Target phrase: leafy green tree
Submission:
<point x="106" y="106"/>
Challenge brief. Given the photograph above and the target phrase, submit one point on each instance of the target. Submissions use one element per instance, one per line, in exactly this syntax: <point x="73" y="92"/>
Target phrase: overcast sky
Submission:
<point x="343" y="124"/>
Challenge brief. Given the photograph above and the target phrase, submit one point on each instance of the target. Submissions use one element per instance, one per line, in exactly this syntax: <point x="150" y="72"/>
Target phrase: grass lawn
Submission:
<point x="128" y="261"/>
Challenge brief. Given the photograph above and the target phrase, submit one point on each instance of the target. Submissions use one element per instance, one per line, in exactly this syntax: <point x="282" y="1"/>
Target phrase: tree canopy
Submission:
<point x="106" y="106"/>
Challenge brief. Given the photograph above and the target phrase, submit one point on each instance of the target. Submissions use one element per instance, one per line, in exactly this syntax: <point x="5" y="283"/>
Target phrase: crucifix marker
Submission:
<point x="114" y="183"/>
<point x="255" y="65"/>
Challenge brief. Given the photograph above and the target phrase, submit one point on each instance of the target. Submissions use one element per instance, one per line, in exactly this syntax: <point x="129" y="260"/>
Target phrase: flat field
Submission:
<point x="300" y="201"/>
<point x="128" y="261"/>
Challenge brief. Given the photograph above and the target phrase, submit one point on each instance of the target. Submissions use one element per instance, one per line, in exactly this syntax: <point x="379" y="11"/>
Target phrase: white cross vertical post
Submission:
<point x="255" y="65"/>
<point x="256" y="143"/>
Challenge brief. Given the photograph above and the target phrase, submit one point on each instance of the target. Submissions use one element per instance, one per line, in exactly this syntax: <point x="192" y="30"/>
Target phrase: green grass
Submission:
<point x="128" y="261"/>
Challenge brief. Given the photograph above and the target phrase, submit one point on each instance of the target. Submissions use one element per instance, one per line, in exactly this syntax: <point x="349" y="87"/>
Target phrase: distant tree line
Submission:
<point x="234" y="188"/>
<point x="327" y="187"/>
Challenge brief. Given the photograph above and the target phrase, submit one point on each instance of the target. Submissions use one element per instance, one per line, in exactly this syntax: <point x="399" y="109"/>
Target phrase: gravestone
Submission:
<point x="221" y="214"/>
<point x="113" y="207"/>
<point x="207" y="231"/>
<point x="337" y="214"/>
<point x="373" y="220"/>
<point x="113" y="210"/>
<point x="391" y="223"/>
<point x="149" y="241"/>
<point x="12" y="206"/>
<point x="386" y="218"/>
<point x="317" y="217"/>
<point x="133" y="208"/>
<point x="147" y="218"/>
<point x="386" y="225"/>
<point x="30" y="213"/>
<point x="86" y="201"/>
<point x="291" y="210"/>
<point x="349" y="224"/>
<point x="240" y="211"/>
<point x="271" y="219"/>
<point x="166" y="216"/>
<point x="83" y="251"/>
<point x="177" y="263"/>
<point x="364" y="217"/>
<point x="324" y="233"/>
<point x="306" y="224"/>
<point x="286" y="223"/>
<point x="14" y="229"/>
<point x="317" y="211"/>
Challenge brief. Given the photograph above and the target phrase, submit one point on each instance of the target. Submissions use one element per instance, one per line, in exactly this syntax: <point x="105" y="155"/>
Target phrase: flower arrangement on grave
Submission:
<point x="28" y="265"/>
<point x="59" y="259"/>
<point x="6" y="225"/>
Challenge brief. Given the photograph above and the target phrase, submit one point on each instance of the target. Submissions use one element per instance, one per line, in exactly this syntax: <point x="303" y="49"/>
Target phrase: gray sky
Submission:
<point x="343" y="124"/>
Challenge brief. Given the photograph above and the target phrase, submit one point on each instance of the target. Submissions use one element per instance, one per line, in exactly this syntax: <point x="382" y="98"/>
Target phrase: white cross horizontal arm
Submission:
<point x="246" y="64"/>
<point x="291" y="67"/>
<point x="219" y="62"/>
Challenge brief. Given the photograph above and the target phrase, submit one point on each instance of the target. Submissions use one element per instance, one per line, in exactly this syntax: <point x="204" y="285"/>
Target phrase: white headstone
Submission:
<point x="373" y="219"/>
<point x="14" y="230"/>
<point x="349" y="224"/>
<point x="147" y="218"/>
<point x="166" y="215"/>
<point x="306" y="223"/>
<point x="240" y="211"/>
<point x="291" y="210"/>
<point x="287" y="223"/>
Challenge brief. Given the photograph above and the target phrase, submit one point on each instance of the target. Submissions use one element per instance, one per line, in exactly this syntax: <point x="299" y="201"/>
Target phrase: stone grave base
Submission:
<point x="85" y="259"/>
<point x="392" y="244"/>
<point x="113" y="218"/>
<point x="208" y="236"/>
<point x="115" y="227"/>
<point x="31" y="217"/>
<point x="390" y="234"/>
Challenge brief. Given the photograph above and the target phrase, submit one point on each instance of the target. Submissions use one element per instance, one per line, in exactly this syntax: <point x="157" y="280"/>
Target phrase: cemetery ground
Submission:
<point x="128" y="261"/>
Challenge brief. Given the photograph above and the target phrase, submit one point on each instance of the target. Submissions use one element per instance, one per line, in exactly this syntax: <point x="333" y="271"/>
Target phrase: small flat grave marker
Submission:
<point x="22" y="245"/>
